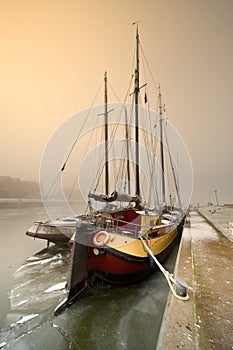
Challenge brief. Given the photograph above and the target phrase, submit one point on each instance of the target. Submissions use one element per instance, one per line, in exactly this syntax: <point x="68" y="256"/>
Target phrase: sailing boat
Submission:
<point x="123" y="231"/>
<point x="109" y="243"/>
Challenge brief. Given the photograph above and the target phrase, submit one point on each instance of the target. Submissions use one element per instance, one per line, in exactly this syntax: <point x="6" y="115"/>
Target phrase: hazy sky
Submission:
<point x="54" y="54"/>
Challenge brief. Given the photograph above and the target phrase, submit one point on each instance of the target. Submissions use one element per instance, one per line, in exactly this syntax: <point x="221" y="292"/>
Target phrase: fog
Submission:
<point x="54" y="54"/>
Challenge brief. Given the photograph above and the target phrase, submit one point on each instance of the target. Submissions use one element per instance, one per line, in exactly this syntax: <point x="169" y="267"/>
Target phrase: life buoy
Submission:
<point x="101" y="243"/>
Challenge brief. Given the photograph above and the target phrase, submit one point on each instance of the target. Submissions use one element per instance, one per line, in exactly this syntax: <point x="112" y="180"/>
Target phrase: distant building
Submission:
<point x="14" y="187"/>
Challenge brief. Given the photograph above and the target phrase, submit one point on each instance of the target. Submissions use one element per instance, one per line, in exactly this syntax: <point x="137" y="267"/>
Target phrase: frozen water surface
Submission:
<point x="104" y="317"/>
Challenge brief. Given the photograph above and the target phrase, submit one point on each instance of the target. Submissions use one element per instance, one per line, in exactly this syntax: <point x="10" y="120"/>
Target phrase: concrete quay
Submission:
<point x="205" y="262"/>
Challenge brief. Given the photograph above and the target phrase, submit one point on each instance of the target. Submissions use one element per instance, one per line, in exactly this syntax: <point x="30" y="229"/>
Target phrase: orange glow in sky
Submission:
<point x="54" y="54"/>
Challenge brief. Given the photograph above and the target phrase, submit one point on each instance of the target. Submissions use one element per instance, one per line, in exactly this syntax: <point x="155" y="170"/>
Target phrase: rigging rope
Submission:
<point x="169" y="277"/>
<point x="79" y="133"/>
<point x="72" y="147"/>
<point x="112" y="135"/>
<point x="148" y="67"/>
<point x="173" y="172"/>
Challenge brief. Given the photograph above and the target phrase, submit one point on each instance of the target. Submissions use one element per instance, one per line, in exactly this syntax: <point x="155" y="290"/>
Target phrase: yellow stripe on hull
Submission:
<point x="134" y="247"/>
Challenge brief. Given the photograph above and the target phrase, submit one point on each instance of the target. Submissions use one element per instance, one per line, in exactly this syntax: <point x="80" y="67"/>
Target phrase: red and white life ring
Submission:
<point x="101" y="243"/>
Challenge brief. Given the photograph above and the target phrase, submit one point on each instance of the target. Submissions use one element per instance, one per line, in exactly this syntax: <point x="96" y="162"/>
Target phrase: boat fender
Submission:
<point x="101" y="243"/>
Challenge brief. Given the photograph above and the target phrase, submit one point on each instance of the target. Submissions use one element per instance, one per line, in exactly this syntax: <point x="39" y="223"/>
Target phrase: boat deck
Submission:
<point x="205" y="263"/>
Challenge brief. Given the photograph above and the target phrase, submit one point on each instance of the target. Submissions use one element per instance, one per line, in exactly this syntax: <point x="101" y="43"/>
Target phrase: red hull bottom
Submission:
<point x="114" y="269"/>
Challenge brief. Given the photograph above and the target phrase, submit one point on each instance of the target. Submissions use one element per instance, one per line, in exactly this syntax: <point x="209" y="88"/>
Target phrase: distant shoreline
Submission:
<point x="30" y="202"/>
<point x="16" y="202"/>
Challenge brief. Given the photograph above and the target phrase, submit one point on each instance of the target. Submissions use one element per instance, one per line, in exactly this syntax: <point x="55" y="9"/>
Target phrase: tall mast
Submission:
<point x="106" y="134"/>
<point x="161" y="144"/>
<point x="136" y="93"/>
<point x="127" y="149"/>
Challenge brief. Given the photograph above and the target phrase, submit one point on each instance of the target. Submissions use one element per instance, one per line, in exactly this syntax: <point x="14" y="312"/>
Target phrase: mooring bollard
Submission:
<point x="181" y="287"/>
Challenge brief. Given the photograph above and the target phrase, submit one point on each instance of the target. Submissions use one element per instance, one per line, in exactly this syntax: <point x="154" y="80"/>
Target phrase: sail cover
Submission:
<point x="114" y="196"/>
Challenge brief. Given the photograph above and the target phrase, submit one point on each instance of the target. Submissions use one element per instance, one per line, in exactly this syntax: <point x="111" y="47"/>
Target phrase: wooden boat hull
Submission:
<point x="53" y="234"/>
<point x="58" y="239"/>
<point x="115" y="267"/>
<point x="127" y="263"/>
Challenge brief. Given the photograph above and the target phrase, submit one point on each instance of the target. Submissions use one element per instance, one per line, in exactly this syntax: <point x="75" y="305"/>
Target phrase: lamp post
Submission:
<point x="216" y="196"/>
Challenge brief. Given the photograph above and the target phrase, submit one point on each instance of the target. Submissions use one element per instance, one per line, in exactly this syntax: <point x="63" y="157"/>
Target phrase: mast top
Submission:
<point x="136" y="22"/>
<point x="137" y="35"/>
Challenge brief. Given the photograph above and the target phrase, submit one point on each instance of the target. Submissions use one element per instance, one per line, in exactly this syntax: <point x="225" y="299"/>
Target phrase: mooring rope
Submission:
<point x="169" y="277"/>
